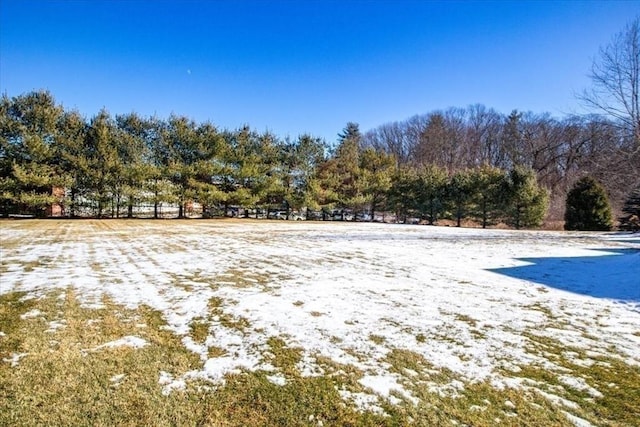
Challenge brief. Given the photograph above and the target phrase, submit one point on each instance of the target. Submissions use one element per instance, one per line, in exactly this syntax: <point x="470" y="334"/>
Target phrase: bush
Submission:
<point x="588" y="207"/>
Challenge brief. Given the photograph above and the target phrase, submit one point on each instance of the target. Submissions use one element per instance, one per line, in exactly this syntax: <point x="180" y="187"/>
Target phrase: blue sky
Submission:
<point x="304" y="66"/>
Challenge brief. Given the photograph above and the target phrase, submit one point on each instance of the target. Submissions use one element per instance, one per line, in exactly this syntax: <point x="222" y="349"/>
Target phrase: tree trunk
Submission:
<point x="72" y="212"/>
<point x="118" y="197"/>
<point x="484" y="215"/>
<point x="155" y="201"/>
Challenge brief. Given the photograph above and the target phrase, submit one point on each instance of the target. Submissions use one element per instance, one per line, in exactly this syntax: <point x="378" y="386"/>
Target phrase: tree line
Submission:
<point x="458" y="164"/>
<point x="109" y="166"/>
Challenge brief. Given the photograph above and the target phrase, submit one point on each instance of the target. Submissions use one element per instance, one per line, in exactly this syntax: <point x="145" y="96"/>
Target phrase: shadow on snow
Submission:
<point x="615" y="275"/>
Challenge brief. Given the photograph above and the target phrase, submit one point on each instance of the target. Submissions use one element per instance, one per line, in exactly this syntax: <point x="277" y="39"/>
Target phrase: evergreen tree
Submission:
<point x="486" y="184"/>
<point x="526" y="203"/>
<point x="341" y="175"/>
<point x="72" y="160"/>
<point x="104" y="168"/>
<point x="29" y="170"/>
<point x="630" y="221"/>
<point x="512" y="138"/>
<point x="402" y="194"/>
<point x="299" y="162"/>
<point x="268" y="185"/>
<point x="133" y="153"/>
<point x="158" y="188"/>
<point x="460" y="194"/>
<point x="587" y="207"/>
<point x="244" y="172"/>
<point x="351" y="133"/>
<point x="209" y="168"/>
<point x="185" y="151"/>
<point x="327" y="186"/>
<point x="430" y="192"/>
<point x="377" y="172"/>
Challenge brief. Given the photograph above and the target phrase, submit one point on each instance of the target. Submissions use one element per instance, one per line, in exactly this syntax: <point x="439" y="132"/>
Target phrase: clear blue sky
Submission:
<point x="294" y="66"/>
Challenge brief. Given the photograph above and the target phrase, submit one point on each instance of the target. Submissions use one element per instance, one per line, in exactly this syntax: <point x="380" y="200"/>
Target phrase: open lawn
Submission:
<point x="237" y="322"/>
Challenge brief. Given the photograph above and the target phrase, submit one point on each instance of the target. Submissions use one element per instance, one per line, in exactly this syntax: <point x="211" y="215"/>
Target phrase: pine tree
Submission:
<point x="486" y="184"/>
<point x="401" y="195"/>
<point x="631" y="220"/>
<point x="459" y="194"/>
<point x="525" y="202"/>
<point x="587" y="207"/>
<point x="300" y="160"/>
<point x="377" y="172"/>
<point x="73" y="162"/>
<point x="341" y="176"/>
<point x="209" y="168"/>
<point x="29" y="130"/>
<point x="104" y="167"/>
<point x="430" y="192"/>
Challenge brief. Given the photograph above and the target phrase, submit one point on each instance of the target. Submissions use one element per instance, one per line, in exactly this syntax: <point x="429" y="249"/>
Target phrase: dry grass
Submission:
<point x="62" y="379"/>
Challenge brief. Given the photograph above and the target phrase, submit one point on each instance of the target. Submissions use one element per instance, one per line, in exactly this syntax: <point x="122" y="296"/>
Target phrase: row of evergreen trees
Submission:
<point x="109" y="166"/>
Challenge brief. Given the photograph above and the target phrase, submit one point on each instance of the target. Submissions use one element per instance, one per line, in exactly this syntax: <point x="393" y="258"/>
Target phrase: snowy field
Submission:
<point x="472" y="302"/>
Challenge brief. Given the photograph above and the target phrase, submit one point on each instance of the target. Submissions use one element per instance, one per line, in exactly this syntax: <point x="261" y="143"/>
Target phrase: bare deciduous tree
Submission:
<point x="616" y="81"/>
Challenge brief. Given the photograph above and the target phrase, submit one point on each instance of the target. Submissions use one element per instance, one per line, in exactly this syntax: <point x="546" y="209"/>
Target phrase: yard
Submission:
<point x="240" y="322"/>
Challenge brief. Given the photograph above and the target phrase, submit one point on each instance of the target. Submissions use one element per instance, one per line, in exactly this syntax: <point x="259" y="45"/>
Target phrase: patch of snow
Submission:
<point x="577" y="421"/>
<point x="308" y="366"/>
<point x="31" y="314"/>
<point x="54" y="325"/>
<point x="169" y="384"/>
<point x="217" y="368"/>
<point x="277" y="379"/>
<point x="116" y="380"/>
<point x="128" y="341"/>
<point x="579" y="384"/>
<point x="362" y="401"/>
<point x="558" y="400"/>
<point x="452" y="389"/>
<point x="384" y="385"/>
<point x="14" y="360"/>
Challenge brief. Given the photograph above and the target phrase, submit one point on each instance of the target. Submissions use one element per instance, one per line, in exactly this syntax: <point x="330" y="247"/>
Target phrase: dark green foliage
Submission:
<point x="486" y="194"/>
<point x="588" y="207"/>
<point x="525" y="202"/>
<point x="430" y="192"/>
<point x="459" y="192"/>
<point x="29" y="170"/>
<point x="402" y="195"/>
<point x="630" y="221"/>
<point x="377" y="173"/>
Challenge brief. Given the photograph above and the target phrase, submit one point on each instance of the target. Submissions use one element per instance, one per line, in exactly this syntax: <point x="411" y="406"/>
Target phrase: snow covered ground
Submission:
<point x="464" y="299"/>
